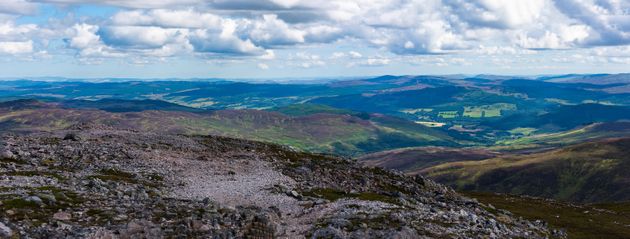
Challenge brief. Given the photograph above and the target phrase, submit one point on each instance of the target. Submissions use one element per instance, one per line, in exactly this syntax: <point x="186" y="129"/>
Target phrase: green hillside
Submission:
<point x="587" y="172"/>
<point x="526" y="139"/>
<point x="340" y="134"/>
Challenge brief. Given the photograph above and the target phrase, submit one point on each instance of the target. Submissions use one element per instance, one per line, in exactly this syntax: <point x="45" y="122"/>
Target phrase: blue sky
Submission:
<point x="314" y="38"/>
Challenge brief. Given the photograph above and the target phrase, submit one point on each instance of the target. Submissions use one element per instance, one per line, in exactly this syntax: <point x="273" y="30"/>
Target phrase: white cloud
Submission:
<point x="306" y="60"/>
<point x="609" y="20"/>
<point x="323" y="33"/>
<point x="258" y="29"/>
<point x="17" y="7"/>
<point x="269" y="55"/>
<point x="10" y="31"/>
<point x="355" y="54"/>
<point x="376" y="62"/>
<point x="167" y="18"/>
<point x="223" y="42"/>
<point x="129" y="3"/>
<point x="338" y="55"/>
<point x="563" y="38"/>
<point x="14" y="48"/>
<point x="263" y="66"/>
<point x="344" y="55"/>
<point x="141" y="37"/>
<point x="270" y="31"/>
<point x="88" y="43"/>
<point x="498" y="14"/>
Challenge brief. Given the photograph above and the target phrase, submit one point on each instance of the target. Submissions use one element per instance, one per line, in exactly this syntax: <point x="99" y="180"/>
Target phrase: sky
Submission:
<point x="311" y="38"/>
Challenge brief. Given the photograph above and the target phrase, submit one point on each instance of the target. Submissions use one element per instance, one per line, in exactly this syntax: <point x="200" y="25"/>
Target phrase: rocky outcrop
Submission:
<point x="123" y="184"/>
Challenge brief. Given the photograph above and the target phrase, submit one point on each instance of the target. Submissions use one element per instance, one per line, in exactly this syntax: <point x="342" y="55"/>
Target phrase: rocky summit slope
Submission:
<point x="100" y="183"/>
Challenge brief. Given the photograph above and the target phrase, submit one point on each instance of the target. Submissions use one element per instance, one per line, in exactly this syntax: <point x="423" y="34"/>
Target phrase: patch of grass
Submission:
<point x="416" y="111"/>
<point x="523" y="131"/>
<point x="116" y="175"/>
<point x="155" y="177"/>
<point x="12" y="160"/>
<point x="101" y="216"/>
<point x="309" y="109"/>
<point x="380" y="222"/>
<point x="585" y="221"/>
<point x="448" y="114"/>
<point x="486" y="111"/>
<point x="19" y="203"/>
<point x="368" y="196"/>
<point x="327" y="193"/>
<point x="25" y="210"/>
<point x="122" y="176"/>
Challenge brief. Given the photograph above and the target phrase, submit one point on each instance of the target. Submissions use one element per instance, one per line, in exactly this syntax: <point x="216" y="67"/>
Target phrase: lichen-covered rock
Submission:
<point x="126" y="184"/>
<point x="5" y="231"/>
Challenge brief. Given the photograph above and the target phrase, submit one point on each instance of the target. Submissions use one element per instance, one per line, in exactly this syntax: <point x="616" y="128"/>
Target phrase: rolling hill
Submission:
<point x="413" y="160"/>
<point x="341" y="134"/>
<point x="595" y="131"/>
<point x="587" y="172"/>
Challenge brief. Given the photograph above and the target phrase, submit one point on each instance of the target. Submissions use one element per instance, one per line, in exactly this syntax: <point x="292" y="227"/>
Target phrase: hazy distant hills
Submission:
<point x="349" y="117"/>
<point x="402" y="111"/>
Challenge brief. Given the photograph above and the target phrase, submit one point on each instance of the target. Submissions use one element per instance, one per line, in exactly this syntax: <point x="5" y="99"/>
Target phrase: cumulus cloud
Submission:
<point x="167" y="18"/>
<point x="223" y="42"/>
<point x="562" y="38"/>
<point x="10" y="31"/>
<point x="609" y="20"/>
<point x="498" y="14"/>
<point x="17" y="7"/>
<point x="240" y="29"/>
<point x="129" y="3"/>
<point x="14" y="48"/>
<point x="272" y="31"/>
<point x="141" y="37"/>
<point x="83" y="38"/>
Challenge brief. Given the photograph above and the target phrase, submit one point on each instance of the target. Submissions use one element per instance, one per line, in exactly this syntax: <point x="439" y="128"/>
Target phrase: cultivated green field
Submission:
<point x="487" y="111"/>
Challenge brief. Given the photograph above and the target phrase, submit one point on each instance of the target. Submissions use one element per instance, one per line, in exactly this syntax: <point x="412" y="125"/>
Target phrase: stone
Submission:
<point x="204" y="228"/>
<point x="295" y="194"/>
<point x="62" y="216"/>
<point x="282" y="188"/>
<point x="7" y="154"/>
<point x="34" y="199"/>
<point x="141" y="229"/>
<point x="49" y="198"/>
<point x="328" y="232"/>
<point x="5" y="231"/>
<point x="72" y="137"/>
<point x="120" y="217"/>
